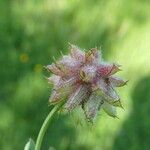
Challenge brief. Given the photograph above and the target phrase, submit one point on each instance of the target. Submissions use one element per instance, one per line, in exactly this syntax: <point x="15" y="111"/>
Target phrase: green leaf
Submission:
<point x="30" y="145"/>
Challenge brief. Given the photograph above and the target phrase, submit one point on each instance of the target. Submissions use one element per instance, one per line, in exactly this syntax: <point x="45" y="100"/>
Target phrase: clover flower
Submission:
<point x="84" y="79"/>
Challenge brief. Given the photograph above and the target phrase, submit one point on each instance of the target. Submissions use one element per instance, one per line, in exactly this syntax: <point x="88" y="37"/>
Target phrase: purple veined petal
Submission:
<point x="87" y="73"/>
<point x="67" y="84"/>
<point x="97" y="53"/>
<point x="95" y="84"/>
<point x="109" y="109"/>
<point x="54" y="79"/>
<point x="59" y="95"/>
<point x="77" y="97"/>
<point x="54" y="97"/>
<point x="92" y="106"/>
<point x="105" y="70"/>
<point x="63" y="89"/>
<point x="109" y="93"/>
<point x="55" y="70"/>
<point x="76" y="53"/>
<point x="68" y="61"/>
<point x="93" y="56"/>
<point x="68" y="65"/>
<point x="117" y="82"/>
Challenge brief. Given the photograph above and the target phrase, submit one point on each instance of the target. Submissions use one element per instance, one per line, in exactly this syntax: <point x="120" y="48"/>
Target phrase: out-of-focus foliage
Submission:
<point x="33" y="31"/>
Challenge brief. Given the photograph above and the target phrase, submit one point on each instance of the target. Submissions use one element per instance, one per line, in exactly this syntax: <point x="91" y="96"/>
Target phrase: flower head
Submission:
<point x="84" y="79"/>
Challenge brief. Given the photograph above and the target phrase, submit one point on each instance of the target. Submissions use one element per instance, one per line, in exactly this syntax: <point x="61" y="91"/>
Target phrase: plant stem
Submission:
<point x="45" y="125"/>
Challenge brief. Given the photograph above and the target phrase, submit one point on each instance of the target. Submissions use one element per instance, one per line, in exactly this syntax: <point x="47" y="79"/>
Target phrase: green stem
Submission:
<point x="45" y="125"/>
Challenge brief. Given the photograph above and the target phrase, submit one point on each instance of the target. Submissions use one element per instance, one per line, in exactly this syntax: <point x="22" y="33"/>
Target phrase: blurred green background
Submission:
<point x="33" y="31"/>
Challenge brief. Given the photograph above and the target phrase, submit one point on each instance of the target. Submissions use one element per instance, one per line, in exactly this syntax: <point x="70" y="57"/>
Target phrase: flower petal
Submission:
<point x="54" y="79"/>
<point x="105" y="70"/>
<point x="77" y="97"/>
<point x="77" y="53"/>
<point x="56" y="97"/>
<point x="109" y="93"/>
<point x="87" y="73"/>
<point x="62" y="90"/>
<point x="109" y="109"/>
<point x="93" y="56"/>
<point x="117" y="82"/>
<point x="68" y="65"/>
<point x="92" y="106"/>
<point x="68" y="61"/>
<point x="59" y="95"/>
<point x="67" y="84"/>
<point x="55" y="69"/>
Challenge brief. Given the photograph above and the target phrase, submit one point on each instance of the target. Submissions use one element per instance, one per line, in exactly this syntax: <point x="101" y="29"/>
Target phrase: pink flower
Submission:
<point x="84" y="79"/>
